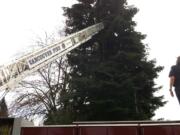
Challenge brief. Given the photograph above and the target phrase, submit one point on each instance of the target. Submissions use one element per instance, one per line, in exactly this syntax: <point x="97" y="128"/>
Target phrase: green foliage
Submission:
<point x="111" y="78"/>
<point x="60" y="117"/>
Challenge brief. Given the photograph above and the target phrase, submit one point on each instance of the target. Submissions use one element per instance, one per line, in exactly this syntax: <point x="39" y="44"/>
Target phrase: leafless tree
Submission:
<point x="40" y="93"/>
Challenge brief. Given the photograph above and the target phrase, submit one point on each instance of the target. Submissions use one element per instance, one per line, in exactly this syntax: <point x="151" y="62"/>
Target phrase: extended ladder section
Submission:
<point x="14" y="72"/>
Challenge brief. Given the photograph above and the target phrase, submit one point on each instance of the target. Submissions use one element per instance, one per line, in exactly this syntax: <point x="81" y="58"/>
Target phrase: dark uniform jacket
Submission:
<point x="175" y="71"/>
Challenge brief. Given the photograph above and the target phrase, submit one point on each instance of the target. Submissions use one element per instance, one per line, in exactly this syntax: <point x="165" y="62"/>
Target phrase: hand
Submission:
<point x="171" y="93"/>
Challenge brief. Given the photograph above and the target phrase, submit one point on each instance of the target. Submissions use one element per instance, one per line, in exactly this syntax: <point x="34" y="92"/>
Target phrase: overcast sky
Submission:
<point x="22" y="22"/>
<point x="160" y="21"/>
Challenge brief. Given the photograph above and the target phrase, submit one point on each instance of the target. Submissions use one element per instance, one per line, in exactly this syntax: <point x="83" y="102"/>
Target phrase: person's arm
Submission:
<point x="172" y="79"/>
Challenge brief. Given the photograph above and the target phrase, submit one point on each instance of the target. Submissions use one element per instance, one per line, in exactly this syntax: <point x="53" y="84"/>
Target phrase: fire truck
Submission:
<point x="18" y="126"/>
<point x="14" y="72"/>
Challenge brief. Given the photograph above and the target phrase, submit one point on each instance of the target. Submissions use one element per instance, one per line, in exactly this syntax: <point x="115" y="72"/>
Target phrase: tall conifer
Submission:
<point x="111" y="77"/>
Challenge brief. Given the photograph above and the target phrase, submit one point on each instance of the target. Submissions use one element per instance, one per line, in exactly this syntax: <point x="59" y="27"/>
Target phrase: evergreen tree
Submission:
<point x="111" y="78"/>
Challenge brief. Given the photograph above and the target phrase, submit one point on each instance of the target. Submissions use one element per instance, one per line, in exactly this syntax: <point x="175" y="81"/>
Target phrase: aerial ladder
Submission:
<point x="16" y="71"/>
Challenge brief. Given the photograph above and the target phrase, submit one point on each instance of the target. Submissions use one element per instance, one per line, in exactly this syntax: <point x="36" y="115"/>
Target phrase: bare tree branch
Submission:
<point x="42" y="92"/>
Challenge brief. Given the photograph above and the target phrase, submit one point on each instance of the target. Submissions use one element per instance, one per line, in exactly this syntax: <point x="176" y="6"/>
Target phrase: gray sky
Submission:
<point x="159" y="20"/>
<point x="23" y="21"/>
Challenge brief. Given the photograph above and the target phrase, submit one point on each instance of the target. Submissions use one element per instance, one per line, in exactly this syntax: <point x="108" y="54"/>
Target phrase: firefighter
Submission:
<point x="174" y="76"/>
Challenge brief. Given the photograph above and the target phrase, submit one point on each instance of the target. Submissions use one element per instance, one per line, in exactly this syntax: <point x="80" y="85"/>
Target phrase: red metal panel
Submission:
<point x="123" y="130"/>
<point x="157" y="130"/>
<point x="61" y="130"/>
<point x="33" y="131"/>
<point x="176" y="130"/>
<point x="98" y="130"/>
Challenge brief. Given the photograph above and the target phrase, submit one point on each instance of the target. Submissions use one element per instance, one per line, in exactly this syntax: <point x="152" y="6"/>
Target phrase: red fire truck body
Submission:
<point x="120" y="128"/>
<point x="11" y="126"/>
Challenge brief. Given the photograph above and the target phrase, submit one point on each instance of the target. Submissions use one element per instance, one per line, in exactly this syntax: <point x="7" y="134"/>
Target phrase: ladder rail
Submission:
<point x="14" y="72"/>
